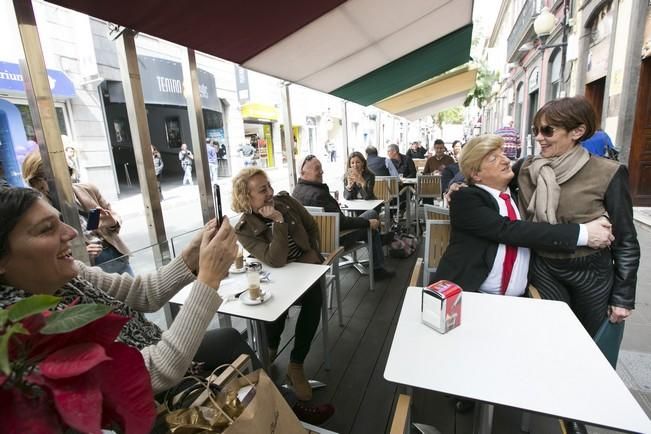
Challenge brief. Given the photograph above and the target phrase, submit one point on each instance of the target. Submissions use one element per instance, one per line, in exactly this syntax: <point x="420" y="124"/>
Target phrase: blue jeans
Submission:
<point x="112" y="261"/>
<point x="361" y="235"/>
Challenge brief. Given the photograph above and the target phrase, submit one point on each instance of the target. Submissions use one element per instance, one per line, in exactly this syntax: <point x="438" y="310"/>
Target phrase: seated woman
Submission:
<point x="489" y="243"/>
<point x="277" y="230"/>
<point x="358" y="181"/>
<point x="32" y="237"/>
<point x="104" y="245"/>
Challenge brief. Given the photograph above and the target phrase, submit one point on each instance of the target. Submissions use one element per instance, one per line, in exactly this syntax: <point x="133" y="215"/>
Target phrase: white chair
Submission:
<point x="437" y="238"/>
<point x="434" y="212"/>
<point x="313" y="208"/>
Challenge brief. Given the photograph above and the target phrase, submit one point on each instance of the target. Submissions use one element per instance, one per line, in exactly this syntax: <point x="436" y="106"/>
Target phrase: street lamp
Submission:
<point x="543" y="26"/>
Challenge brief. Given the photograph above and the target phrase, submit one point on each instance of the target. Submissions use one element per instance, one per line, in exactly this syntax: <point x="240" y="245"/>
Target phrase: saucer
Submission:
<point x="246" y="299"/>
<point x="237" y="270"/>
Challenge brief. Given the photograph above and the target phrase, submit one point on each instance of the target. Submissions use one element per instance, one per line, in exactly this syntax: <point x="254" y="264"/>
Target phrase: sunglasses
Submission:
<point x="307" y="158"/>
<point x="546" y="131"/>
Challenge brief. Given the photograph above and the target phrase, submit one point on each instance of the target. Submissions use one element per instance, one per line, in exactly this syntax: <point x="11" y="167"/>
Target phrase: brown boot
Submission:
<point x="296" y="377"/>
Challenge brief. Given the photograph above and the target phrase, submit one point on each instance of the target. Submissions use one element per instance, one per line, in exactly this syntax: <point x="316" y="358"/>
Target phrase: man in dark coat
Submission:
<point x="311" y="191"/>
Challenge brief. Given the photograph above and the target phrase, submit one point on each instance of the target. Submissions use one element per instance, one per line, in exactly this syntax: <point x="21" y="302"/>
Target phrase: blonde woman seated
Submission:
<point x="278" y="230"/>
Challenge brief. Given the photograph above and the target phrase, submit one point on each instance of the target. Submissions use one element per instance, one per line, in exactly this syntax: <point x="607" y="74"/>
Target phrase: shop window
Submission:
<point x="28" y="124"/>
<point x="555" y="75"/>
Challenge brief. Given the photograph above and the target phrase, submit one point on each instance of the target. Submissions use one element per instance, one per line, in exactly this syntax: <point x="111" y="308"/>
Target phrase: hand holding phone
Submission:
<point x="217" y="196"/>
<point x="93" y="219"/>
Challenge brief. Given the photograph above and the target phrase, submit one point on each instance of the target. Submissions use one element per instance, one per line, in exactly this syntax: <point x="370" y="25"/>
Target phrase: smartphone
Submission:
<point x="217" y="197"/>
<point x="93" y="220"/>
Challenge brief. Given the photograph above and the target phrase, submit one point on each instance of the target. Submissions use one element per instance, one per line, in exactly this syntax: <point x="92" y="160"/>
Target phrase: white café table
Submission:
<point x="364" y="205"/>
<point x="519" y="352"/>
<point x="287" y="284"/>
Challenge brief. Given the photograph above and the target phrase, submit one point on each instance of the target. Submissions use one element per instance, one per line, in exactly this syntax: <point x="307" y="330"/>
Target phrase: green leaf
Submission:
<point x="4" y="314"/>
<point x="5" y="367"/>
<point x="32" y="306"/>
<point x="73" y="318"/>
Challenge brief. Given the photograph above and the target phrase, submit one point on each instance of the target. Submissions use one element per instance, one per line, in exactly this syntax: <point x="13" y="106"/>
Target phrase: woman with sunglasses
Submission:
<point x="564" y="184"/>
<point x="359" y="181"/>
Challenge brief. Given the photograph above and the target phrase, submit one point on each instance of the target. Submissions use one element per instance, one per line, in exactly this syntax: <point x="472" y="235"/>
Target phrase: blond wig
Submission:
<point x="240" y="195"/>
<point x="474" y="152"/>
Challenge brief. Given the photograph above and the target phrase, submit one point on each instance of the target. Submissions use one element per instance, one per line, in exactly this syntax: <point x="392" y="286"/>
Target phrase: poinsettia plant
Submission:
<point x="62" y="370"/>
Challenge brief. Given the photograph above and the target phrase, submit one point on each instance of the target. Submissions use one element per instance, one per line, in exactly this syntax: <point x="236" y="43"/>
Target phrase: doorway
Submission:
<point x="639" y="161"/>
<point x="594" y="92"/>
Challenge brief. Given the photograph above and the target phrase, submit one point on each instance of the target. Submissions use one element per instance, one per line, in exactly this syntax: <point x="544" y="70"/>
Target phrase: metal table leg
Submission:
<point x="262" y="344"/>
<point x="371" y="265"/>
<point x="483" y="418"/>
<point x="324" y="322"/>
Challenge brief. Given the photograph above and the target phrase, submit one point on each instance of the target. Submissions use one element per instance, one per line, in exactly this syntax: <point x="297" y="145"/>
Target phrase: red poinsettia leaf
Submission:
<point x="128" y="397"/>
<point x="73" y="360"/>
<point x="79" y="402"/>
<point x="103" y="331"/>
<point x="23" y="414"/>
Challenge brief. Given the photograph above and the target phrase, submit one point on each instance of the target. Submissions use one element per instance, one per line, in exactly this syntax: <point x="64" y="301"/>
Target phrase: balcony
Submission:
<point x="522" y="27"/>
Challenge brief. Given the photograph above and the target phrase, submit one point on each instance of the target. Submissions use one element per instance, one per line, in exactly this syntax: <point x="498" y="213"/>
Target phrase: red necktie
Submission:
<point x="511" y="251"/>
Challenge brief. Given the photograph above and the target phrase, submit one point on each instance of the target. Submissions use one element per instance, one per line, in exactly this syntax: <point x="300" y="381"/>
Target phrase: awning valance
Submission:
<point x="439" y="93"/>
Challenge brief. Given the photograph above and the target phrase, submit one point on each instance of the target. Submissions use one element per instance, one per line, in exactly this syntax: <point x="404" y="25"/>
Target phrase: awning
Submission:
<point x="439" y="93"/>
<point x="11" y="80"/>
<point x="360" y="50"/>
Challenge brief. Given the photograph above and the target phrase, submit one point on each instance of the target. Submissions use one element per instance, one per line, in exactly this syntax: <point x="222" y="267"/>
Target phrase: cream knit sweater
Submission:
<point x="169" y="359"/>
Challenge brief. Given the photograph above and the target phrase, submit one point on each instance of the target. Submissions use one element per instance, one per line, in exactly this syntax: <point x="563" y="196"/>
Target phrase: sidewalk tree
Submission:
<point x="482" y="92"/>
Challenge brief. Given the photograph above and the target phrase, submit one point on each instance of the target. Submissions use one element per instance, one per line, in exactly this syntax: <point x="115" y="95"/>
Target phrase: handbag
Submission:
<point x="609" y="338"/>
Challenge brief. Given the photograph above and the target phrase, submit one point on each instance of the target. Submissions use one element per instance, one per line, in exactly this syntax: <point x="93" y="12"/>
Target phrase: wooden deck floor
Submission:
<point x="363" y="399"/>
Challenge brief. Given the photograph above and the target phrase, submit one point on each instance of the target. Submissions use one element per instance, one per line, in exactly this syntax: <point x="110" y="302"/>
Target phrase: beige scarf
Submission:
<point x="548" y="174"/>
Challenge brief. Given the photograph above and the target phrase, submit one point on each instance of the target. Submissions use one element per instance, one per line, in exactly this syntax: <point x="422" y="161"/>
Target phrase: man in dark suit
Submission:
<point x="489" y="243"/>
<point x="377" y="165"/>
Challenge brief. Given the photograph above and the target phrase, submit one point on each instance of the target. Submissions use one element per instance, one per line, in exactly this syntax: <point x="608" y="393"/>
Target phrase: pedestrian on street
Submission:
<point x="158" y="168"/>
<point x="512" y="145"/>
<point x="211" y="149"/>
<point x="186" y="158"/>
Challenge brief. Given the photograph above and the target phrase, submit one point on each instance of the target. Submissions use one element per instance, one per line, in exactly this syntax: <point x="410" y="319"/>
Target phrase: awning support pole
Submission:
<point x="46" y="128"/>
<point x="139" y="127"/>
<point x="288" y="135"/>
<point x="198" y="134"/>
<point x="344" y="121"/>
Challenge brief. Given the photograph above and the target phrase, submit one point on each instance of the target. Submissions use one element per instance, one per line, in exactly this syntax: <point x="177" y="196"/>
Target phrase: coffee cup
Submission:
<point x="253" y="280"/>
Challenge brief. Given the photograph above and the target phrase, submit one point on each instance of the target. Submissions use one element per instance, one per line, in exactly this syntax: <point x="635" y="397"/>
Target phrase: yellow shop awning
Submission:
<point x="256" y="110"/>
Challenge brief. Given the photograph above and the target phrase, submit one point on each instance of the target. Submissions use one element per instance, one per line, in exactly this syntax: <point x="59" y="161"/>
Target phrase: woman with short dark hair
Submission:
<point x="564" y="184"/>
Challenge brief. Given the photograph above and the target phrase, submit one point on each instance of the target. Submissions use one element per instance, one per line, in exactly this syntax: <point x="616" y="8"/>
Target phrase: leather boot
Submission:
<point x="296" y="377"/>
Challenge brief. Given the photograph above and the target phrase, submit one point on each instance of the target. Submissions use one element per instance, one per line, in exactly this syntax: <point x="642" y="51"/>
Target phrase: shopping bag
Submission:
<point x="267" y="412"/>
<point x="608" y="338"/>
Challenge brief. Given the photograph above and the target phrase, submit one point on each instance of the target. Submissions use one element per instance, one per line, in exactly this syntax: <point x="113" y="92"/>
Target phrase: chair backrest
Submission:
<point x="433" y="212"/>
<point x="386" y="187"/>
<point x="415" y="274"/>
<point x="313" y="208"/>
<point x="328" y="223"/>
<point x="429" y="186"/>
<point x="400" y="424"/>
<point x="437" y="238"/>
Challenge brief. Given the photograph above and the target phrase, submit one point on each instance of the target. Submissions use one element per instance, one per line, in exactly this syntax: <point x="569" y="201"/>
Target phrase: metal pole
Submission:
<point x="566" y="12"/>
<point x="46" y="127"/>
<point x="344" y="121"/>
<point x="137" y="114"/>
<point x="288" y="134"/>
<point x="198" y="134"/>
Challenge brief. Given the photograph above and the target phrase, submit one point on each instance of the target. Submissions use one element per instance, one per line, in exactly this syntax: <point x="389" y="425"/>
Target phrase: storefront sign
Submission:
<point x="11" y="79"/>
<point x="162" y="83"/>
<point x="242" y="83"/>
<point x="255" y="110"/>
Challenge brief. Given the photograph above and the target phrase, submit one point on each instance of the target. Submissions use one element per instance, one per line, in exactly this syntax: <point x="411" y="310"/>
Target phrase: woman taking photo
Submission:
<point x="32" y="237"/>
<point x="278" y="230"/>
<point x="358" y="181"/>
<point x="564" y="184"/>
